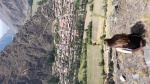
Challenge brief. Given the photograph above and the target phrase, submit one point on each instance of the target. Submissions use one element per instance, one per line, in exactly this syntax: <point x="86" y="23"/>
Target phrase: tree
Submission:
<point x="51" y="56"/>
<point x="57" y="38"/>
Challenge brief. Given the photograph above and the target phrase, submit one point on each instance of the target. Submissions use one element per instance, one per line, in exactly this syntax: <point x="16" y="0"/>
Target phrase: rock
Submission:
<point x="146" y="55"/>
<point x="115" y="2"/>
<point x="135" y="76"/>
<point x="122" y="78"/>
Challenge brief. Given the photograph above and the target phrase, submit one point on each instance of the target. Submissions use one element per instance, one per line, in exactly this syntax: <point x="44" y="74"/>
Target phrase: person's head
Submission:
<point x="117" y="40"/>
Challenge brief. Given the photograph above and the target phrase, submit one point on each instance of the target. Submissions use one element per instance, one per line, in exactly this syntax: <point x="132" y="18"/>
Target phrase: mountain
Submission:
<point x="6" y="35"/>
<point x="3" y="28"/>
<point x="24" y="60"/>
<point x="14" y="13"/>
<point x="6" y="39"/>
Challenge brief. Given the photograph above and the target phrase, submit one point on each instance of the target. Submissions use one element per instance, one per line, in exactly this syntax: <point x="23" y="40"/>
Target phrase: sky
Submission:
<point x="6" y="35"/>
<point x="3" y="28"/>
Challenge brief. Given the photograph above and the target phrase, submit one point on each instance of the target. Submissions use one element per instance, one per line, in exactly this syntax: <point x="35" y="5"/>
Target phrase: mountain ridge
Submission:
<point x="14" y="13"/>
<point x="24" y="60"/>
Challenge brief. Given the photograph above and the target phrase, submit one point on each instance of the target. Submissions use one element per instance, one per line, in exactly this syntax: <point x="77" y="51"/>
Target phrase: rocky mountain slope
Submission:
<point x="14" y="13"/>
<point x="24" y="60"/>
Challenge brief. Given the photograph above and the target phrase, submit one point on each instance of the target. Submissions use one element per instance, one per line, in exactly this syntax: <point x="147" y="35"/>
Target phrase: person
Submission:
<point x="125" y="43"/>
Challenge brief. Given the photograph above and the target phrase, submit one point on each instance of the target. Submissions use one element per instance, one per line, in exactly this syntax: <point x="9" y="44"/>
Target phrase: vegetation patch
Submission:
<point x="41" y="2"/>
<point x="53" y="80"/>
<point x="51" y="55"/>
<point x="82" y="74"/>
<point x="77" y="4"/>
<point x="57" y="38"/>
<point x="89" y="33"/>
<point x="91" y="7"/>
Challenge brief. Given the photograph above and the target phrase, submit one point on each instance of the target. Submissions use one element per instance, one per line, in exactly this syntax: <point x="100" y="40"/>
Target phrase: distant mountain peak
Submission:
<point x="14" y="13"/>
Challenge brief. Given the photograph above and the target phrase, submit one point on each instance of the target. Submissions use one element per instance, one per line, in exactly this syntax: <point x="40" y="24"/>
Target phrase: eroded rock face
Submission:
<point x="126" y="15"/>
<point x="24" y="60"/>
<point x="14" y="13"/>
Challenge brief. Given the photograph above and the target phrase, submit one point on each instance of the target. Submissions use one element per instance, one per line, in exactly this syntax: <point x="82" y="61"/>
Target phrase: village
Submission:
<point x="66" y="29"/>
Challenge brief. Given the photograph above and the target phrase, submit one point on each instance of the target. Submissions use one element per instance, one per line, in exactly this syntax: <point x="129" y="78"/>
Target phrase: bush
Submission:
<point x="51" y="56"/>
<point x="89" y="33"/>
<point x="77" y="4"/>
<point x="101" y="63"/>
<point x="41" y="2"/>
<point x="91" y="7"/>
<point x="57" y="38"/>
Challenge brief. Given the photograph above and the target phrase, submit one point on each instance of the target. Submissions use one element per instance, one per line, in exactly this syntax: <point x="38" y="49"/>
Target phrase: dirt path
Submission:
<point x="107" y="32"/>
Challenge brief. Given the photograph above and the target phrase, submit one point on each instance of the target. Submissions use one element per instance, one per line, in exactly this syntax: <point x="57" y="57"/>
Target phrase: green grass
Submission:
<point x="57" y="38"/>
<point x="77" y="5"/>
<point x="82" y="74"/>
<point x="89" y="33"/>
<point x="97" y="15"/>
<point x="91" y="7"/>
<point x="105" y="8"/>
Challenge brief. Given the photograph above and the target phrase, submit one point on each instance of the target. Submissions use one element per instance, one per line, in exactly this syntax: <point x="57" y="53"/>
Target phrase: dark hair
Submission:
<point x="117" y="40"/>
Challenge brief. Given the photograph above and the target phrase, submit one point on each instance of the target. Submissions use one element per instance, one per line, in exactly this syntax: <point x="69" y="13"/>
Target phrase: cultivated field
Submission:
<point x="94" y="71"/>
<point x="97" y="21"/>
<point x="97" y="29"/>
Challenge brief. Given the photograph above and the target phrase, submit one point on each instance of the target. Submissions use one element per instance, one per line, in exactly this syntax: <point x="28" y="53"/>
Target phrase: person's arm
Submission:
<point x="129" y="51"/>
<point x="123" y="50"/>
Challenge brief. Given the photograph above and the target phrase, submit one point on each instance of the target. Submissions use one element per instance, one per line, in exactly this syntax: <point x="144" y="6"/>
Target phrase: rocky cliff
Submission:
<point x="130" y="16"/>
<point x="14" y="13"/>
<point x="24" y="60"/>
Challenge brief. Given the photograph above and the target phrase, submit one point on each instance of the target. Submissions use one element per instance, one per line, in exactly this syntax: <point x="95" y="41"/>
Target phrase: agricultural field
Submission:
<point x="94" y="70"/>
<point x="91" y="61"/>
<point x="98" y="17"/>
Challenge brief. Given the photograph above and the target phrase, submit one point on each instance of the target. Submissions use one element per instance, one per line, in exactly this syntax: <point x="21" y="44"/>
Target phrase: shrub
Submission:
<point x="57" y="38"/>
<point x="91" y="7"/>
<point x="51" y="56"/>
<point x="41" y="2"/>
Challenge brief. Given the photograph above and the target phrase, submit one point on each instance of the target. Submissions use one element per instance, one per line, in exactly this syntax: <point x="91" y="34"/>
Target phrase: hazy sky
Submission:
<point x="6" y="35"/>
<point x="3" y="28"/>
